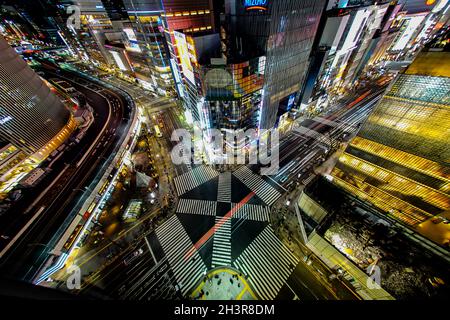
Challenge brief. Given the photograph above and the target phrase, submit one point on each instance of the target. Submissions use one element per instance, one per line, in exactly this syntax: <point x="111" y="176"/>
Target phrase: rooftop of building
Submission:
<point x="356" y="230"/>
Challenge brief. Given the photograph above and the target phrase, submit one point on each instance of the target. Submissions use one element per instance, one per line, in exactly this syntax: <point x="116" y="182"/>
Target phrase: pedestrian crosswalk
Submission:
<point x="250" y="212"/>
<point x="309" y="179"/>
<point x="188" y="269"/>
<point x="224" y="188"/>
<point x="268" y="263"/>
<point x="192" y="206"/>
<point x="221" y="255"/>
<point x="262" y="189"/>
<point x="193" y="178"/>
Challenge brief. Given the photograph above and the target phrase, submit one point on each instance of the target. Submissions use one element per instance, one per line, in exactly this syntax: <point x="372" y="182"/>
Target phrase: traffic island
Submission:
<point x="223" y="284"/>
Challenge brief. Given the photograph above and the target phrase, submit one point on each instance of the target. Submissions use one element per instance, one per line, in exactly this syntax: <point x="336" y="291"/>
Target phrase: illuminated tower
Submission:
<point x="31" y="116"/>
<point x="246" y="71"/>
<point x="400" y="159"/>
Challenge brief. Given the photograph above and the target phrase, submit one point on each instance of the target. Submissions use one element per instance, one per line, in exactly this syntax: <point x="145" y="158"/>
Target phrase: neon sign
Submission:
<point x="255" y="4"/>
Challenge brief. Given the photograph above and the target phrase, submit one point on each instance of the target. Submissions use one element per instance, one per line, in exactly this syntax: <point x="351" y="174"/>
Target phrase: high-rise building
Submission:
<point x="384" y="36"/>
<point x="342" y="47"/>
<point x="192" y="18"/>
<point x="147" y="46"/>
<point x="359" y="28"/>
<point x="32" y="117"/>
<point x="400" y="159"/>
<point x="358" y="59"/>
<point x="40" y="15"/>
<point x="94" y="23"/>
<point x="249" y="68"/>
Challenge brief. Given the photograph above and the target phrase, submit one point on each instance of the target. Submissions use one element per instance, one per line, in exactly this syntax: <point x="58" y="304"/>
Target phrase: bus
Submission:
<point x="158" y="132"/>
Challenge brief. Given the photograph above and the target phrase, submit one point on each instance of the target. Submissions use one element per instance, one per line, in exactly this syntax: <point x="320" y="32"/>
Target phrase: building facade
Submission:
<point x="32" y="118"/>
<point x="147" y="47"/>
<point x="94" y="23"/>
<point x="343" y="46"/>
<point x="249" y="69"/>
<point x="400" y="159"/>
<point x="190" y="18"/>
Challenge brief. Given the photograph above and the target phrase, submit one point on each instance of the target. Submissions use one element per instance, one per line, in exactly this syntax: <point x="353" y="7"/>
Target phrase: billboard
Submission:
<point x="412" y="23"/>
<point x="181" y="44"/>
<point x="132" y="44"/>
<point x="255" y="5"/>
<point x="118" y="60"/>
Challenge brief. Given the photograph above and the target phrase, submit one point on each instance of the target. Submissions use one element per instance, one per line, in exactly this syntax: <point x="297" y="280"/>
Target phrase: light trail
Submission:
<point x="213" y="229"/>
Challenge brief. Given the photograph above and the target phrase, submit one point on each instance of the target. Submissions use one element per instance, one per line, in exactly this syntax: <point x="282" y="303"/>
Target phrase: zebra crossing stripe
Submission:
<point x="224" y="187"/>
<point x="309" y="179"/>
<point x="251" y="212"/>
<point x="175" y="242"/>
<point x="265" y="191"/>
<point x="193" y="178"/>
<point x="268" y="264"/>
<point x="271" y="238"/>
<point x="193" y="206"/>
<point x="221" y="244"/>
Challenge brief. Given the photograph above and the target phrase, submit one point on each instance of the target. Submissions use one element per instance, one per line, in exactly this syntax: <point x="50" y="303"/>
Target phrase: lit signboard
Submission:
<point x="183" y="52"/>
<point x="5" y="119"/>
<point x="255" y="4"/>
<point x="118" y="60"/>
<point x="132" y="43"/>
<point x="412" y="24"/>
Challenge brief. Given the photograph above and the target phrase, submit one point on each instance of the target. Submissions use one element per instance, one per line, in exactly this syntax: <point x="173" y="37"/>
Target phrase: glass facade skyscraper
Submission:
<point x="400" y="159"/>
<point x="286" y="32"/>
<point x="148" y="50"/>
<point x="253" y="66"/>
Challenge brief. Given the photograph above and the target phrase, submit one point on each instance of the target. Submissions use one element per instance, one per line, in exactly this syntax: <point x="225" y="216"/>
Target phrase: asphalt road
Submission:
<point x="300" y="149"/>
<point x="139" y="273"/>
<point x="31" y="250"/>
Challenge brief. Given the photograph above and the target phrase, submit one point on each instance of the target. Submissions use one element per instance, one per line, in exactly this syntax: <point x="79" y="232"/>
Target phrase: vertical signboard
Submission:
<point x="181" y="44"/>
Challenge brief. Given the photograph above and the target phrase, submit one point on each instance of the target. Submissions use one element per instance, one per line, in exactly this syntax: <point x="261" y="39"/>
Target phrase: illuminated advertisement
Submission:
<point x="118" y="60"/>
<point x="132" y="44"/>
<point x="181" y="44"/>
<point x="255" y="4"/>
<point x="413" y="23"/>
<point x="355" y="32"/>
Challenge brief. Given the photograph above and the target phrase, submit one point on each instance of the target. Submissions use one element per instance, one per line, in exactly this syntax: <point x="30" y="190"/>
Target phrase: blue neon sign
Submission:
<point x="255" y="4"/>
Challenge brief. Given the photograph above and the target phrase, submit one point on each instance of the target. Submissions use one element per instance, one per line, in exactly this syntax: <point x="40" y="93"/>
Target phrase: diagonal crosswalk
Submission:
<point x="251" y="212"/>
<point x="188" y="269"/>
<point x="268" y="263"/>
<point x="193" y="206"/>
<point x="221" y="255"/>
<point x="224" y="188"/>
<point x="262" y="189"/>
<point x="193" y="178"/>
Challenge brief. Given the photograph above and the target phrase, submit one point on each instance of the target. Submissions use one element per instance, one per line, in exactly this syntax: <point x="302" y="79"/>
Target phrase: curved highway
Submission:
<point x="46" y="208"/>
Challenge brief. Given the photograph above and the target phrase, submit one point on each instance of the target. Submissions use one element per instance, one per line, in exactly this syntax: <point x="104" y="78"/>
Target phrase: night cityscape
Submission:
<point x="256" y="150"/>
